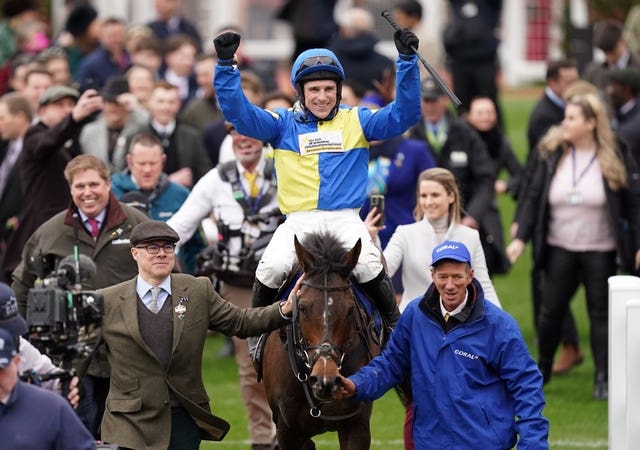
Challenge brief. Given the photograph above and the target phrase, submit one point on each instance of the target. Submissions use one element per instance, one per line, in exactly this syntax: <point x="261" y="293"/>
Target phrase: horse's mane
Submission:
<point x="327" y="253"/>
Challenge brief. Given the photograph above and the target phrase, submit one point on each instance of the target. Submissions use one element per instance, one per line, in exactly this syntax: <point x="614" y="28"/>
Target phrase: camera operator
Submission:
<point x="99" y="226"/>
<point x="32" y="362"/>
<point x="228" y="194"/>
<point x="31" y="417"/>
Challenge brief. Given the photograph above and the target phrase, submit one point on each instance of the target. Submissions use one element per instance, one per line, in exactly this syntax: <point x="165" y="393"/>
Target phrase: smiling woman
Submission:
<point x="437" y="215"/>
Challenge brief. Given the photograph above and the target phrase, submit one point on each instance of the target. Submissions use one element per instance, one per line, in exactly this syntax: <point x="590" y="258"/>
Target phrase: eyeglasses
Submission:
<point x="313" y="61"/>
<point x="153" y="249"/>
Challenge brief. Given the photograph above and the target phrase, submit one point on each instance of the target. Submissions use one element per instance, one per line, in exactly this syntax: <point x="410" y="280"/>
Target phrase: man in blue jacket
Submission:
<point x="321" y="154"/>
<point x="31" y="417"/>
<point x="474" y="383"/>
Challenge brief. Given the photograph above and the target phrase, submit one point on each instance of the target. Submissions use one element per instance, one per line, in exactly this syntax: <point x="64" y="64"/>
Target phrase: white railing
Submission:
<point x="624" y="362"/>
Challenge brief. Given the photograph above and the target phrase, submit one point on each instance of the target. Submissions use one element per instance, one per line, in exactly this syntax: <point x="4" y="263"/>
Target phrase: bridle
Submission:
<point x="300" y="351"/>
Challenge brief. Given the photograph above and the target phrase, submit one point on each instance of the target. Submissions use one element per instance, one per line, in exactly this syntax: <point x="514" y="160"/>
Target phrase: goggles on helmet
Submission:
<point x="313" y="61"/>
<point x="316" y="63"/>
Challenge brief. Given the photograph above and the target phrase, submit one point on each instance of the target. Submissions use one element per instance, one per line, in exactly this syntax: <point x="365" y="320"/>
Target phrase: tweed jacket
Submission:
<point x="138" y="408"/>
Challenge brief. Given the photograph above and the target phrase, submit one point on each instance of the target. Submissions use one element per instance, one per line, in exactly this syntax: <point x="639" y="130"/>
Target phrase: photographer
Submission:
<point x="228" y="194"/>
<point x="33" y="364"/>
<point x="99" y="226"/>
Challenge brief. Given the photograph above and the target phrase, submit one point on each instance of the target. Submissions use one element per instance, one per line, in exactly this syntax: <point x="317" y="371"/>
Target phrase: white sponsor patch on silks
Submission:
<point x="320" y="142"/>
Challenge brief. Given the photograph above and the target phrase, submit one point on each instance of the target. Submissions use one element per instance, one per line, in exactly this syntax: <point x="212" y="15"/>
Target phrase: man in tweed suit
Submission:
<point x="155" y="327"/>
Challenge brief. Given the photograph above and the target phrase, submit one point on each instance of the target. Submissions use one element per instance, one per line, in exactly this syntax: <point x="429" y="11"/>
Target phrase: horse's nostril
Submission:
<point x="313" y="380"/>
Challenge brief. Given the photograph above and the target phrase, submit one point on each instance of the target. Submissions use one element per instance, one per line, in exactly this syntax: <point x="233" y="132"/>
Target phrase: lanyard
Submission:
<point x="253" y="203"/>
<point x="584" y="171"/>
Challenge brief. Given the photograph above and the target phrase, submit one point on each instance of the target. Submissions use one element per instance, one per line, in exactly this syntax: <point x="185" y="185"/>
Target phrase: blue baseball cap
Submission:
<point x="7" y="348"/>
<point x="10" y="319"/>
<point x="456" y="251"/>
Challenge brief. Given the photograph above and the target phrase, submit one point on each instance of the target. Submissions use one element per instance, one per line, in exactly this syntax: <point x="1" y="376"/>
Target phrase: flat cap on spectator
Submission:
<point x="430" y="89"/>
<point x="152" y="230"/>
<point x="114" y="87"/>
<point x="57" y="92"/>
<point x="7" y="348"/>
<point x="10" y="319"/>
<point x="628" y="76"/>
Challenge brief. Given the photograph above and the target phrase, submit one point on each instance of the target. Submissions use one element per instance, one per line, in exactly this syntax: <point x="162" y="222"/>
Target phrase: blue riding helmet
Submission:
<point x="315" y="60"/>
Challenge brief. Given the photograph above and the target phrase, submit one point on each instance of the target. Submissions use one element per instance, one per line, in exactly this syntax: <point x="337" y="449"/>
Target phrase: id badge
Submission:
<point x="574" y="198"/>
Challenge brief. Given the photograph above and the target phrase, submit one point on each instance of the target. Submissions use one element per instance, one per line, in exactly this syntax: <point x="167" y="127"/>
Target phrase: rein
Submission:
<point x="298" y="350"/>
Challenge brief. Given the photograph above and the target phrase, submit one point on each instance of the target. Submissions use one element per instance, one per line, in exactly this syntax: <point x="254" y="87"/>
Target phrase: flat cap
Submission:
<point x="153" y="230"/>
<point x="430" y="89"/>
<point x="57" y="92"/>
<point x="115" y="86"/>
<point x="628" y="76"/>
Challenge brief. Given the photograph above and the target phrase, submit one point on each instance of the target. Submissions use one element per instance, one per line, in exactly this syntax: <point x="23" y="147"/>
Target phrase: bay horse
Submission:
<point x="331" y="334"/>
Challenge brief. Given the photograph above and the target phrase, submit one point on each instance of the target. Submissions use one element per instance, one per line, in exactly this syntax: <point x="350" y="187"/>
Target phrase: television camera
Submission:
<point x="59" y="311"/>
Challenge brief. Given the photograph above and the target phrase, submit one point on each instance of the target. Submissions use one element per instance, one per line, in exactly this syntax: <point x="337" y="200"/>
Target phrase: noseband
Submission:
<point x="299" y="349"/>
<point x="326" y="348"/>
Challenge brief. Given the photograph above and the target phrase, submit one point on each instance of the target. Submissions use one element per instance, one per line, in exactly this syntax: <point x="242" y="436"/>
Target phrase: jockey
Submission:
<point x="321" y="158"/>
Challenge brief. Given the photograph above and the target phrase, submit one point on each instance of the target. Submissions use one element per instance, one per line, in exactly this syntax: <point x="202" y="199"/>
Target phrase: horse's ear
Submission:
<point x="351" y="257"/>
<point x="304" y="257"/>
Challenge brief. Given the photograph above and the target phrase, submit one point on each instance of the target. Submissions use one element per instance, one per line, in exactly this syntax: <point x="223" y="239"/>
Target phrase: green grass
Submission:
<point x="576" y="421"/>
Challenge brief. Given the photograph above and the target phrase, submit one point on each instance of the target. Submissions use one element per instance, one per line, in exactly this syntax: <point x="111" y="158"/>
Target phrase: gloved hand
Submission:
<point x="226" y="44"/>
<point x="404" y="39"/>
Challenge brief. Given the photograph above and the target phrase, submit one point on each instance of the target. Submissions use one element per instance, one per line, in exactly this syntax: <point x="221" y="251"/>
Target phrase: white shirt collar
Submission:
<point x="100" y="217"/>
<point x="458" y="309"/>
<point x="167" y="129"/>
<point x="142" y="286"/>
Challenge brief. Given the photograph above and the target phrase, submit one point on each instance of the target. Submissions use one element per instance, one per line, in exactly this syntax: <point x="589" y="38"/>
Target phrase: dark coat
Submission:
<point x="360" y="60"/>
<point x="11" y="197"/>
<point x="45" y="154"/>
<point x="97" y="68"/>
<point x="624" y="209"/>
<point x="465" y="155"/>
<point x="161" y="29"/>
<point x="545" y="114"/>
<point x="629" y="130"/>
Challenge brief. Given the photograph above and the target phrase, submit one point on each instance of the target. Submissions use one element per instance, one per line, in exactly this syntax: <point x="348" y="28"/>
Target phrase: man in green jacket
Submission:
<point x="99" y="226"/>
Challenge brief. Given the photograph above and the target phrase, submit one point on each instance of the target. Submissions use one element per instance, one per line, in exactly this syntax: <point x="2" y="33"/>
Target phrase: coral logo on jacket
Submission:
<point x="466" y="354"/>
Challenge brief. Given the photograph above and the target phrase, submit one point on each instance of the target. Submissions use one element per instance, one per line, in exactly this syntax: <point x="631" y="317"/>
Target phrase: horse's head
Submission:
<point x="324" y="312"/>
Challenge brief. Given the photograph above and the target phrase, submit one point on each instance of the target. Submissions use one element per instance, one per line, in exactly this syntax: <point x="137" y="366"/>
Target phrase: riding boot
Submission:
<point x="262" y="296"/>
<point x="380" y="291"/>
